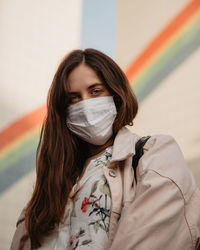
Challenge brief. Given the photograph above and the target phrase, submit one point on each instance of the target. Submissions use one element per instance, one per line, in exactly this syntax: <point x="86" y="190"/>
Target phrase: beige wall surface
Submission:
<point x="35" y="35"/>
<point x="12" y="201"/>
<point x="138" y="22"/>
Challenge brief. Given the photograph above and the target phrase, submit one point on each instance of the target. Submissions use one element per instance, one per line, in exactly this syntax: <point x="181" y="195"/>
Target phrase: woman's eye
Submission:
<point x="73" y="99"/>
<point x="96" y="91"/>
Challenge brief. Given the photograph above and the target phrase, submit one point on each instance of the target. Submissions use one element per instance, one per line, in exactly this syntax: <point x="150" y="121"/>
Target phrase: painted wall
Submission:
<point x="36" y="35"/>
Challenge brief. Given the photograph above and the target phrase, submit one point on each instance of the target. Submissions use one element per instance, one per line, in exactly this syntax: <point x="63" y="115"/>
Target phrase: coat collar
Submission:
<point x="124" y="145"/>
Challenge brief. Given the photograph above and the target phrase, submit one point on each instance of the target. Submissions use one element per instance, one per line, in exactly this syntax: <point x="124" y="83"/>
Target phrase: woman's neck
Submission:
<point x="96" y="149"/>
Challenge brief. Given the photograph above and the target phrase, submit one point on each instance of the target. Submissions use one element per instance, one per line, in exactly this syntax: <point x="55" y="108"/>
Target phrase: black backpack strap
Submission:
<point x="138" y="153"/>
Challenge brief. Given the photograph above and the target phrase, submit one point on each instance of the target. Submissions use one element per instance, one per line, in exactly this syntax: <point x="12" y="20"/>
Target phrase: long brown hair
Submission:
<point x="60" y="154"/>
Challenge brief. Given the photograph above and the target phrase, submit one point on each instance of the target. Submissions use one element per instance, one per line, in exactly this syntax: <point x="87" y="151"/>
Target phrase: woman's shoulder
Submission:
<point x="163" y="156"/>
<point x="166" y="199"/>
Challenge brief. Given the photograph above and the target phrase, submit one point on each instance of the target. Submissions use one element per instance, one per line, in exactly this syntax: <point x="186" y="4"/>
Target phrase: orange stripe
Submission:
<point x="22" y="126"/>
<point x="33" y="132"/>
<point x="162" y="38"/>
<point x="160" y="52"/>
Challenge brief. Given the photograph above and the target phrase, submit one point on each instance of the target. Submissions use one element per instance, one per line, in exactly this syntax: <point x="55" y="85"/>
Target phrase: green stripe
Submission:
<point x="19" y="152"/>
<point x="163" y="60"/>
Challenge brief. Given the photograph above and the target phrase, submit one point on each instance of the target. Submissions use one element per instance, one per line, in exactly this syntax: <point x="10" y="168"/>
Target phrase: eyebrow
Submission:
<point x="90" y="87"/>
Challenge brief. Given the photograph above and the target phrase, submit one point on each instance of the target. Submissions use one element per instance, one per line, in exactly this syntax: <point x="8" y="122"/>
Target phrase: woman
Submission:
<point x="86" y="196"/>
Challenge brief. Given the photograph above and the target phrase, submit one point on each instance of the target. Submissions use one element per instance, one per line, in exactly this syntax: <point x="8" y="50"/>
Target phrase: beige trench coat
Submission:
<point x="161" y="212"/>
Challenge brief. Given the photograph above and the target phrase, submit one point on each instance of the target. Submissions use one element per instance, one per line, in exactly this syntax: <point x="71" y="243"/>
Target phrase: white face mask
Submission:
<point x="92" y="119"/>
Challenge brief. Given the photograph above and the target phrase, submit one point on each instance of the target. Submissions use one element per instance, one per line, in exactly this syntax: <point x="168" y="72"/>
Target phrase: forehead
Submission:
<point x="81" y="77"/>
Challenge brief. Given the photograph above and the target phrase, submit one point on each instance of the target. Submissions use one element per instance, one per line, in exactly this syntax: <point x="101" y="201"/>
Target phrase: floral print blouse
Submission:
<point x="86" y="221"/>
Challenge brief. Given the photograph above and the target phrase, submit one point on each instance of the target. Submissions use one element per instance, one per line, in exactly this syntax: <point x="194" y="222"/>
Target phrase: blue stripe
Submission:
<point x="11" y="175"/>
<point x="99" y="26"/>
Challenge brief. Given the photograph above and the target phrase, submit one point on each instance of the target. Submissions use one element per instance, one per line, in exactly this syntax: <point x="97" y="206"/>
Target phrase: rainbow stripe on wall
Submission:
<point x="18" y="147"/>
<point x="175" y="43"/>
<point x="169" y="48"/>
